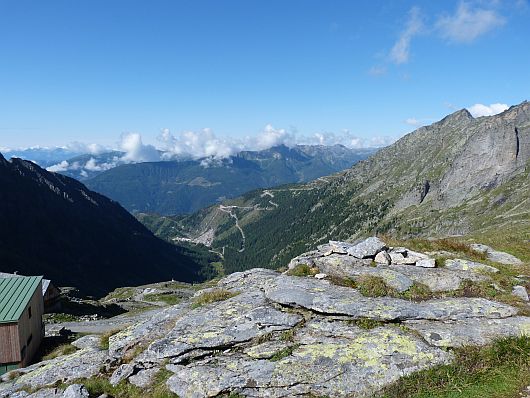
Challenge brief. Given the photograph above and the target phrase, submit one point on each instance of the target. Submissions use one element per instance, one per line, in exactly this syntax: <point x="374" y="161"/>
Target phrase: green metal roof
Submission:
<point x="15" y="294"/>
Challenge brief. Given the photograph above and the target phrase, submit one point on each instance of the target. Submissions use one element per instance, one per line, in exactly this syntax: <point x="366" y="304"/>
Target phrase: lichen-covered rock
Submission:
<point x="220" y="325"/>
<point x="146" y="330"/>
<point x="495" y="255"/>
<point x="267" y="349"/>
<point x="470" y="331"/>
<point x="84" y="363"/>
<point x="368" y="248"/>
<point x="354" y="364"/>
<point x="465" y="265"/>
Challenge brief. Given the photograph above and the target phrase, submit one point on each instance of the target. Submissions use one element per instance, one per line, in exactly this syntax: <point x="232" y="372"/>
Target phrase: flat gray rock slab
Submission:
<point x="438" y="279"/>
<point x="495" y="255"/>
<point x="465" y="265"/>
<point x="470" y="331"/>
<point x="356" y="365"/>
<point x="84" y="363"/>
<point x="221" y="325"/>
<point x="322" y="297"/>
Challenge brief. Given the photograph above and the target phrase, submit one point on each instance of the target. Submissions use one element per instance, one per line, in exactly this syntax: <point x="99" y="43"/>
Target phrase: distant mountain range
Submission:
<point x="54" y="226"/>
<point x="460" y="175"/>
<point x="44" y="157"/>
<point x="185" y="186"/>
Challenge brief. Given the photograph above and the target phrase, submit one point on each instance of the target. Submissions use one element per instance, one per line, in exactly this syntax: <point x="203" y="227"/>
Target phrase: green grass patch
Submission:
<point x="65" y="349"/>
<point x="499" y="370"/>
<point x="212" y="296"/>
<point x="446" y="244"/>
<point x="418" y="291"/>
<point x="367" y="323"/>
<point x="339" y="281"/>
<point x="168" y="298"/>
<point x="303" y="270"/>
<point x="373" y="286"/>
<point x="98" y="385"/>
<point x="284" y="353"/>
<point x="105" y="337"/>
<point x="288" y="335"/>
<point x="121" y="293"/>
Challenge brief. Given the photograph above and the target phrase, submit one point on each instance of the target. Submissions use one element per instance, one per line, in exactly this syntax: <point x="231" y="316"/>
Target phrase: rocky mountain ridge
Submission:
<point x="460" y="175"/>
<point x="319" y="329"/>
<point x="55" y="226"/>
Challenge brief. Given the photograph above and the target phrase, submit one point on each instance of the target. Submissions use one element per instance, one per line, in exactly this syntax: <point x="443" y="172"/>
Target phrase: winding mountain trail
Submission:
<point x="228" y="209"/>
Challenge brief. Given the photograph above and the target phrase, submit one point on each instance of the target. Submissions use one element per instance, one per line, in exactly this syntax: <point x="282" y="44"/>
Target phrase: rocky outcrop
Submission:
<point x="278" y="335"/>
<point x="495" y="255"/>
<point x="399" y="267"/>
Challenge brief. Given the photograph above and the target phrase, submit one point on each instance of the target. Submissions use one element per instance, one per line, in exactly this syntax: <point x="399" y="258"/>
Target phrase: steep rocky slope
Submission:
<point x="185" y="186"/>
<point x="457" y="176"/>
<point x="320" y="329"/>
<point x="54" y="226"/>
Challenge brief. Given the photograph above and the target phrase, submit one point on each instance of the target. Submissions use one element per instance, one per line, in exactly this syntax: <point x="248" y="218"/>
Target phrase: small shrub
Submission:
<point x="346" y="282"/>
<point x="212" y="296"/>
<point x="476" y="289"/>
<point x="303" y="270"/>
<point x="373" y="286"/>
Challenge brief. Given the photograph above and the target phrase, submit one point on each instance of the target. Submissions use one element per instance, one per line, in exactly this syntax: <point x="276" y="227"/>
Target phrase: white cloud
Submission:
<point x="135" y="150"/>
<point x="479" y="110"/>
<point x="468" y="23"/>
<point x="205" y="145"/>
<point x="270" y="137"/>
<point x="59" y="167"/>
<point x="400" y="52"/>
<point x="190" y="144"/>
<point x="91" y="165"/>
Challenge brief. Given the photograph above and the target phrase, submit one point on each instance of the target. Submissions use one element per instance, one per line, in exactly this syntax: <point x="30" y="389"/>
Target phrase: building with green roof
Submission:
<point x="21" y="327"/>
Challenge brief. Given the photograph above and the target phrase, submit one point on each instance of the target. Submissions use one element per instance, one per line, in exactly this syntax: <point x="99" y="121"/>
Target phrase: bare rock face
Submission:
<point x="520" y="291"/>
<point x="496" y="256"/>
<point x="368" y="248"/>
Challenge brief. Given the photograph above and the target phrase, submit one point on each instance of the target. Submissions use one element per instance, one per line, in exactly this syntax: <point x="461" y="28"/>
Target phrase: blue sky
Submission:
<point x="91" y="71"/>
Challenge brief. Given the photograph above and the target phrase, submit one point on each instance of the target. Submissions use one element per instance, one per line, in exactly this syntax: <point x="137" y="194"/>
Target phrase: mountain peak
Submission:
<point x="462" y="115"/>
